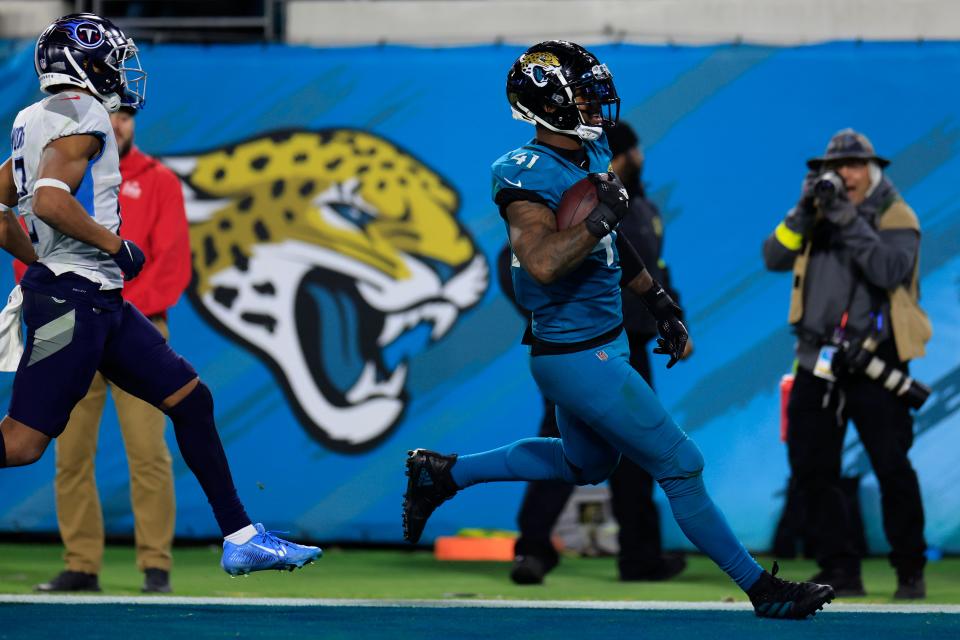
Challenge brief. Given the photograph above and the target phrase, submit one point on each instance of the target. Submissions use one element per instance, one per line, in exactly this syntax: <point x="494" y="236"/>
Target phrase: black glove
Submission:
<point x="129" y="258"/>
<point x="614" y="204"/>
<point x="801" y="217"/>
<point x="840" y="211"/>
<point x="673" y="335"/>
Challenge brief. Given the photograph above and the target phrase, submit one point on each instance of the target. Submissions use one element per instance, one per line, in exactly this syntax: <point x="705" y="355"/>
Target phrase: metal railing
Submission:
<point x="193" y="20"/>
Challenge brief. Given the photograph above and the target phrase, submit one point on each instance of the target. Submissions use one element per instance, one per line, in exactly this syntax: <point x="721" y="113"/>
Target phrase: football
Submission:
<point x="576" y="204"/>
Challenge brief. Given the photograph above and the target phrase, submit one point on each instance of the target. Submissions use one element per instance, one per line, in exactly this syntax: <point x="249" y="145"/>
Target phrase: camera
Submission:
<point x="828" y="186"/>
<point x="858" y="357"/>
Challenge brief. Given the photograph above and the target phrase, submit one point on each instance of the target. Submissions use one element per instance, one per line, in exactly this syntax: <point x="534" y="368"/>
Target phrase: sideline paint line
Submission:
<point x="471" y="604"/>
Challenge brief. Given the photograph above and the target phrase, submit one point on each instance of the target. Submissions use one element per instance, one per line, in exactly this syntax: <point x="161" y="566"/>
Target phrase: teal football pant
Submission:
<point x="604" y="408"/>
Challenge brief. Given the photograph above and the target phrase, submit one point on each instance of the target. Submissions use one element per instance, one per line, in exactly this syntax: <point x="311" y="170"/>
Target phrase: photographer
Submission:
<point x="853" y="246"/>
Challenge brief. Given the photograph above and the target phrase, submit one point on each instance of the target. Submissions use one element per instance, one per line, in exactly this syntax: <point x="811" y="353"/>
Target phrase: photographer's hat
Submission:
<point x="848" y="144"/>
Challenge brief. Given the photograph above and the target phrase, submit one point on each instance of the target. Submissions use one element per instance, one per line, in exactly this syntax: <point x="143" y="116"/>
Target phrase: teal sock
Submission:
<point x="527" y="459"/>
<point x="707" y="528"/>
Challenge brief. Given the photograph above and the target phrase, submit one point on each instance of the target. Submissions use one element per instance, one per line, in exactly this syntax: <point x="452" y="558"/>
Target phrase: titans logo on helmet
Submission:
<point x="87" y="34"/>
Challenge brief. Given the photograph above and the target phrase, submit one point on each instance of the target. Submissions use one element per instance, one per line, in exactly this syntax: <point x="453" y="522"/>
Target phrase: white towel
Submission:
<point x="11" y="333"/>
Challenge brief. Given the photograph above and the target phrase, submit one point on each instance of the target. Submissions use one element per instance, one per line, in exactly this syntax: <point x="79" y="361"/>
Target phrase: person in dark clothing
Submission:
<point x="854" y="257"/>
<point x="641" y="556"/>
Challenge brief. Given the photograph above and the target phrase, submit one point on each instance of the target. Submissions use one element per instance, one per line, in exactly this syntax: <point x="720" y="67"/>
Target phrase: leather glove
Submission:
<point x="613" y="206"/>
<point x="130" y="259"/>
<point x="673" y="334"/>
<point x="840" y="211"/>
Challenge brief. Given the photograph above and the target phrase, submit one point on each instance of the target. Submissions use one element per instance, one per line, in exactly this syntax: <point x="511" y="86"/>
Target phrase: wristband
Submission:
<point x="51" y="182"/>
<point x="658" y="300"/>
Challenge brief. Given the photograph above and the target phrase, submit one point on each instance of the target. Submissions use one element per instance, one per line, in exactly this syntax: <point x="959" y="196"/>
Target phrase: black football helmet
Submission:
<point x="85" y="50"/>
<point x="563" y="87"/>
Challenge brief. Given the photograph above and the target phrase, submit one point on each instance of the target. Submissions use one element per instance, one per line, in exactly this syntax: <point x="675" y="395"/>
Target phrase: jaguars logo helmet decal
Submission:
<point x="538" y="65"/>
<point x="320" y="251"/>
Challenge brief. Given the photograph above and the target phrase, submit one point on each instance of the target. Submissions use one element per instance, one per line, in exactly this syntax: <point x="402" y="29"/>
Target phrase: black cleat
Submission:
<point x="846" y="584"/>
<point x="429" y="485"/>
<point x="157" y="581"/>
<point x="531" y="569"/>
<point x="69" y="581"/>
<point x="775" y="598"/>
<point x="910" y="586"/>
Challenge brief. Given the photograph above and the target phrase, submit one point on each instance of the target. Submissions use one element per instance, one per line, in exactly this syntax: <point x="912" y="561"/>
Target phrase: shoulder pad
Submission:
<point x="72" y="113"/>
<point x="524" y="168"/>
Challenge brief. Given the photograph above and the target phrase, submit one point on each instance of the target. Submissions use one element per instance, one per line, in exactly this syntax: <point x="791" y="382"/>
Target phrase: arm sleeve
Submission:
<point x="631" y="264"/>
<point x="666" y="281"/>
<point x="886" y="258"/>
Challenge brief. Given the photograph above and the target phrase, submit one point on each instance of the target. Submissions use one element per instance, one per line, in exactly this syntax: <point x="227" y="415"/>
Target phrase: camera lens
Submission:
<point x="916" y="394"/>
<point x="913" y="392"/>
<point x="827" y="186"/>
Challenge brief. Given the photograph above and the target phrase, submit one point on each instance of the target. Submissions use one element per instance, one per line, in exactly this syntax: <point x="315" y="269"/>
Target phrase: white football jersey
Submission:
<point x="65" y="114"/>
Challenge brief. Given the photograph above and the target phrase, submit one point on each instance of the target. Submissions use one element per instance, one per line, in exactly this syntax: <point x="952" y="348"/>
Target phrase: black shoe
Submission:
<point x="429" y="485"/>
<point x="531" y="569"/>
<point x="910" y="587"/>
<point x="70" y="581"/>
<point x="846" y="584"/>
<point x="670" y="566"/>
<point x="156" y="581"/>
<point x="775" y="598"/>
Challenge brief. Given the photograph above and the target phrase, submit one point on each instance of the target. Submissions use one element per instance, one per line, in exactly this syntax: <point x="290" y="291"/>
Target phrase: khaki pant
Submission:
<point x="151" y="479"/>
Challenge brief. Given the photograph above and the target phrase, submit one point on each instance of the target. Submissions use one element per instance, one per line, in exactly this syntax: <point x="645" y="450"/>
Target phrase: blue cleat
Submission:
<point x="266" y="551"/>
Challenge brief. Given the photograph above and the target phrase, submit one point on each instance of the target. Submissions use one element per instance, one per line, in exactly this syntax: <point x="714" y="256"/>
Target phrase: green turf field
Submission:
<point x="415" y="574"/>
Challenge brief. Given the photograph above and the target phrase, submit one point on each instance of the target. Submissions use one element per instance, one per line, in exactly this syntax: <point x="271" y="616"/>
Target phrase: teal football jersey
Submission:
<point x="584" y="303"/>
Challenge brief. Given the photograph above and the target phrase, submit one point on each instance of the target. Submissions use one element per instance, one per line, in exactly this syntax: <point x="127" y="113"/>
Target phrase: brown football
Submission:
<point x="576" y="204"/>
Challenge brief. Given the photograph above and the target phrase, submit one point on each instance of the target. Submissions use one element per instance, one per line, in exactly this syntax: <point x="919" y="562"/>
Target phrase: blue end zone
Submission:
<point x="192" y="621"/>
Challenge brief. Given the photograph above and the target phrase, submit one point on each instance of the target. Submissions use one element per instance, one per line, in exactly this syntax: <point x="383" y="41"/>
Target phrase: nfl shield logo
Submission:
<point x="602" y="356"/>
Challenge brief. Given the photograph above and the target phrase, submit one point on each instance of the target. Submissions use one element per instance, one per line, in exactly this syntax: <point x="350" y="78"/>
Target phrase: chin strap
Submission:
<point x="582" y="131"/>
<point x="111" y="101"/>
<point x="588" y="133"/>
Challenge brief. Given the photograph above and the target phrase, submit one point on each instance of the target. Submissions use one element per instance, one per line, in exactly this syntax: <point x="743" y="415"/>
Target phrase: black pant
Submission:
<point x="818" y="413"/>
<point x="631" y="490"/>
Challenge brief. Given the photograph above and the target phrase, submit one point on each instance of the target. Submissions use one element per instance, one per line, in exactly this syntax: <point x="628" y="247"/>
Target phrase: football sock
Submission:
<point x="705" y="526"/>
<point x="527" y="459"/>
<point x="243" y="536"/>
<point x="203" y="452"/>
<point x="3" y="452"/>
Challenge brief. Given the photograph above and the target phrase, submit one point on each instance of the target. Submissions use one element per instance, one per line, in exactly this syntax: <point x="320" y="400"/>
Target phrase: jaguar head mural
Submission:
<point x="322" y="252"/>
